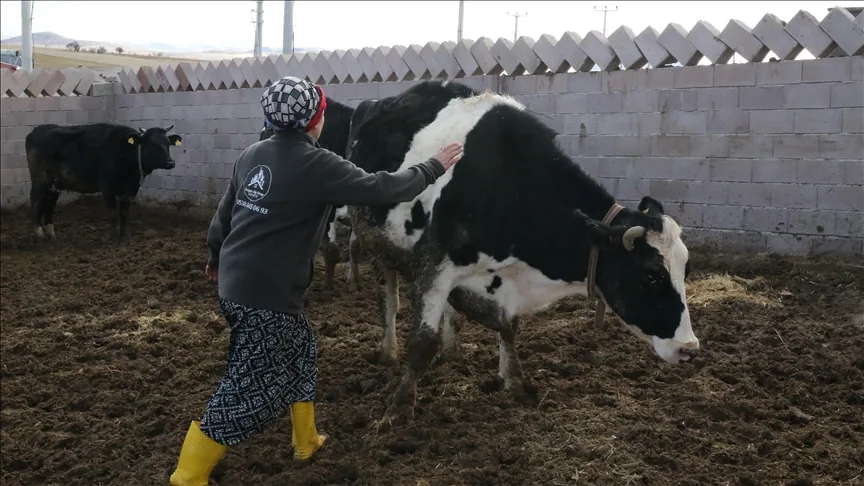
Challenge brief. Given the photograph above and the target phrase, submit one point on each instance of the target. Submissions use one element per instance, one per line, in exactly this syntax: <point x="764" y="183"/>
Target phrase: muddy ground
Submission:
<point x="108" y="352"/>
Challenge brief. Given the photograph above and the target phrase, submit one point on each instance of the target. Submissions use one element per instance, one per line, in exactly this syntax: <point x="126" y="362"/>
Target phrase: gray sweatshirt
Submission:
<point x="268" y="226"/>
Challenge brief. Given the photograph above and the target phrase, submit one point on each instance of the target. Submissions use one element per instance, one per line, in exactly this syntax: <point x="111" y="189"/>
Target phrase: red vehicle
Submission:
<point x="10" y="59"/>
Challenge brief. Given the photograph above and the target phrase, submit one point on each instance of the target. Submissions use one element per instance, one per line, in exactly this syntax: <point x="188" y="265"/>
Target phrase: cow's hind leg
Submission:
<point x="38" y="194"/>
<point x="50" y="205"/>
<point x="451" y="349"/>
<point x="430" y="299"/>
<point x="387" y="296"/>
<point x="353" y="262"/>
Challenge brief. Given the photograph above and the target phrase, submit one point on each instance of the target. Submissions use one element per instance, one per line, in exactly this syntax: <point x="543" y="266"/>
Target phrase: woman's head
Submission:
<point x="294" y="104"/>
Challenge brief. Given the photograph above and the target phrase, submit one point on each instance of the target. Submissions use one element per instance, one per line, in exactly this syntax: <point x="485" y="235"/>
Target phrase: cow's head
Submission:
<point x="640" y="274"/>
<point x="364" y="110"/>
<point x="155" y="144"/>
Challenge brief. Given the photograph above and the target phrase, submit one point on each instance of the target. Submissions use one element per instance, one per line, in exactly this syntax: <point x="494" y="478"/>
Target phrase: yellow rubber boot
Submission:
<point x="198" y="457"/>
<point x="306" y="437"/>
<point x="293" y="431"/>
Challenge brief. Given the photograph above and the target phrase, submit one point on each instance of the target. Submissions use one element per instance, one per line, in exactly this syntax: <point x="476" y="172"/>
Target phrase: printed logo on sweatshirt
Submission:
<point x="257" y="183"/>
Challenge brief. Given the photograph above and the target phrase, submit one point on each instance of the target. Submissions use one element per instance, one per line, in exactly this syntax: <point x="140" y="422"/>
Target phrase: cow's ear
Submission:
<point x="134" y="139"/>
<point x="651" y="206"/>
<point x="604" y="236"/>
<point x="175" y="139"/>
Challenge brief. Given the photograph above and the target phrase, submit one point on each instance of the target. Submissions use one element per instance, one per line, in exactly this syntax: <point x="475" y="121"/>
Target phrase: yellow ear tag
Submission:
<point x="131" y="141"/>
<point x="177" y="142"/>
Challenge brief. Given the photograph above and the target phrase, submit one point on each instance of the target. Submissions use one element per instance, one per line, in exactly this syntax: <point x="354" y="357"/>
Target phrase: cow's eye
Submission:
<point x="653" y="278"/>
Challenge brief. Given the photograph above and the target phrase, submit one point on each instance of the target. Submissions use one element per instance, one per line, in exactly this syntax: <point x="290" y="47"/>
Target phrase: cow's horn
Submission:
<point x="630" y="236"/>
<point x="169" y="128"/>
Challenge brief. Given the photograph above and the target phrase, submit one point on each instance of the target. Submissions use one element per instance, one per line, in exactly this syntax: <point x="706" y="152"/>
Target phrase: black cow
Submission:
<point x="334" y="137"/>
<point x="100" y="157"/>
<point x="515" y="226"/>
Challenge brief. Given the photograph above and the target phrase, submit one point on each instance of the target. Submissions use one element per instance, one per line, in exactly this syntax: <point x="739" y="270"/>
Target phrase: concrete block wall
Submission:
<point x="761" y="157"/>
<point x="758" y="157"/>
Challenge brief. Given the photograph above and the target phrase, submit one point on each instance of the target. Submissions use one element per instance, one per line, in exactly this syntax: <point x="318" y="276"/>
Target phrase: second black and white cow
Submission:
<point x="334" y="137"/>
<point x="101" y="157"/>
<point x="515" y="226"/>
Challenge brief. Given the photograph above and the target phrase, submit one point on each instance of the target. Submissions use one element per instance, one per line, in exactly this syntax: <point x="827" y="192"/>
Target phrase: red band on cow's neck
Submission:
<point x="318" y="114"/>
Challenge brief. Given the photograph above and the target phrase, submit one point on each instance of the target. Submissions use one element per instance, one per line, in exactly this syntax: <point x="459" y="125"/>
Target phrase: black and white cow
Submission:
<point x="100" y="157"/>
<point x="509" y="230"/>
<point x="334" y="137"/>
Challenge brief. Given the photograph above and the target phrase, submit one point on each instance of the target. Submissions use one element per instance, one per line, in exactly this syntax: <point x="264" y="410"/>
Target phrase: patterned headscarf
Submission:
<point x="293" y="104"/>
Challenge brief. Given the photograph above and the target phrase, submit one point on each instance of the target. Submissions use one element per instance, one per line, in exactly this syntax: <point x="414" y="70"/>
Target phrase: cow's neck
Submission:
<point x="594" y="201"/>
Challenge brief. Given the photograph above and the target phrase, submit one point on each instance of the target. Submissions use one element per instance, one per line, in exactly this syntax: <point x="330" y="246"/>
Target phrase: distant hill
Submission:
<point x="46" y="39"/>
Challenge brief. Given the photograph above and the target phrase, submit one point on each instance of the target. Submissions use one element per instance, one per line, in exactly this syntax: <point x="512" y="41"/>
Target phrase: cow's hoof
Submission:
<point x="38" y="233"/>
<point x="452" y="354"/>
<point x="524" y="392"/>
<point x="397" y="414"/>
<point x="388" y="357"/>
<point x="49" y="232"/>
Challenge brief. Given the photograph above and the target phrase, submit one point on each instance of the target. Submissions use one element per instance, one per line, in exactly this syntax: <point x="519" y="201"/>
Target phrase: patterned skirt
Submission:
<point x="271" y="364"/>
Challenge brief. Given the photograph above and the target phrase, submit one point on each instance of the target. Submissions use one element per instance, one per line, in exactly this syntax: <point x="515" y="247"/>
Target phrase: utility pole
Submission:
<point x="461" y="16"/>
<point x="288" y="28"/>
<point x="516" y="23"/>
<point x="259" y="26"/>
<point x="605" y="11"/>
<point x="27" y="35"/>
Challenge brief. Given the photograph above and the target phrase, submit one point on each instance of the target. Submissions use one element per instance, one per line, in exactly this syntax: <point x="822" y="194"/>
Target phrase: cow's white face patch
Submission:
<point x="675" y="255"/>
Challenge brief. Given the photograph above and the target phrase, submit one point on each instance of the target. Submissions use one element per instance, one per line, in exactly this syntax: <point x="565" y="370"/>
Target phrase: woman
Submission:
<point x="262" y="243"/>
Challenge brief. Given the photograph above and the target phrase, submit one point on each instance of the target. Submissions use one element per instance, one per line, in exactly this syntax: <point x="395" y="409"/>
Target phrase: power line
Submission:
<point x="516" y="23"/>
<point x="605" y="11"/>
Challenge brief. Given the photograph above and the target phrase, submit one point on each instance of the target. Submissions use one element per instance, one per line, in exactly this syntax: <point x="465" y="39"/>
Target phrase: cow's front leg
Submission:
<point x="353" y="262"/>
<point x="387" y="296"/>
<point x="491" y="316"/>
<point x="123" y="205"/>
<point x="509" y="367"/>
<point x="430" y="299"/>
<point x="113" y="204"/>
<point x="331" y="255"/>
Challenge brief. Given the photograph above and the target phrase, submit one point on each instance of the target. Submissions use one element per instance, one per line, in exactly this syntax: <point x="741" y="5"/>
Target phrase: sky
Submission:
<point x="356" y="24"/>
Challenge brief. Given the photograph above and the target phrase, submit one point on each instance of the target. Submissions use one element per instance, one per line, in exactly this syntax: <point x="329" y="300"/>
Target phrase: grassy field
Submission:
<point x="47" y="58"/>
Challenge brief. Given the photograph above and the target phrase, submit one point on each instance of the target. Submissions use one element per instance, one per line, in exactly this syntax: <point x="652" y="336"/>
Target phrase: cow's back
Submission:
<point x="76" y="157"/>
<point x="388" y="126"/>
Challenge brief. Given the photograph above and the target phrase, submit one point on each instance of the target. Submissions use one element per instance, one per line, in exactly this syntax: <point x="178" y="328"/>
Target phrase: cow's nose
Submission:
<point x="688" y="351"/>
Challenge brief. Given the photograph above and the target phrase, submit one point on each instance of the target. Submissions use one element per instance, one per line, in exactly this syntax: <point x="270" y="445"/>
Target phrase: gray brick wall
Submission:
<point x="754" y="157"/>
